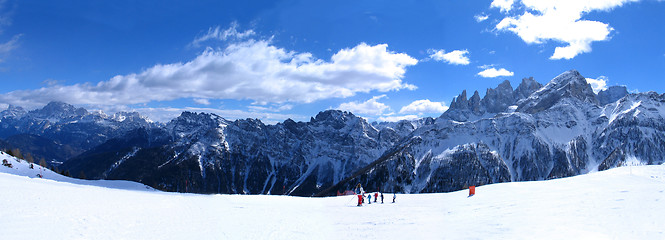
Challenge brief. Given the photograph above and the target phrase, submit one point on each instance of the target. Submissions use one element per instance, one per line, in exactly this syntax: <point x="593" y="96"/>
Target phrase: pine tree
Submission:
<point x="82" y="175"/>
<point x="29" y="158"/>
<point x="42" y="162"/>
<point x="17" y="153"/>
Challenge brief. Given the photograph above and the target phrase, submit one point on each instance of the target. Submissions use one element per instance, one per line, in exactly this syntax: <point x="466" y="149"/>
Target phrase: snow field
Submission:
<point x="622" y="203"/>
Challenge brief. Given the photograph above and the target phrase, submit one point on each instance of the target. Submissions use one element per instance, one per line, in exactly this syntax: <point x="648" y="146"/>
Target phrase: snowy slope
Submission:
<point x="22" y="168"/>
<point x="621" y="203"/>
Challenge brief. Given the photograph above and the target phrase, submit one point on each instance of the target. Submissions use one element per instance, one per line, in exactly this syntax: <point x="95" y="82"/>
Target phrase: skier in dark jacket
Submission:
<point x="369" y="198"/>
<point x="381" y="198"/>
<point x="394" y="196"/>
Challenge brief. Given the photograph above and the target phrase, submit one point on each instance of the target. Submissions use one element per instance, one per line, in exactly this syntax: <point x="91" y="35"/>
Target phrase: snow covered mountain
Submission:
<point x="203" y="152"/>
<point x="532" y="132"/>
<point x="560" y="130"/>
<point x="66" y="130"/>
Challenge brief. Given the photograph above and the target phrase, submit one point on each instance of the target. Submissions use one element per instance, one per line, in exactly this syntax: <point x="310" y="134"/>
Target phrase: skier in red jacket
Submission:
<point x="376" y="196"/>
<point x="360" y="192"/>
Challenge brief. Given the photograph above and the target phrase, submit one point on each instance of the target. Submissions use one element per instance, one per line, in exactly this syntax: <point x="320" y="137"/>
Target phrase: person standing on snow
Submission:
<point x="381" y="198"/>
<point x="361" y="194"/>
<point x="376" y="196"/>
<point x="369" y="198"/>
<point x="394" y="196"/>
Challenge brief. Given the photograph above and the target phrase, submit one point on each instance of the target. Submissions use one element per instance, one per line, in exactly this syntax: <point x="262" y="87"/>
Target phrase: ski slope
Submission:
<point x="22" y="168"/>
<point x="622" y="203"/>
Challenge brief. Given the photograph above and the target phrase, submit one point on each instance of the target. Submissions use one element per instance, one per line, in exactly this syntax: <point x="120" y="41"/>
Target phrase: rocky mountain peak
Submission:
<point x="333" y="116"/>
<point x="474" y="103"/>
<point x="495" y="100"/>
<point x="293" y="126"/>
<point x="526" y="88"/>
<point x="570" y="84"/>
<point x="250" y="124"/>
<point x="189" y="122"/>
<point x="569" y="76"/>
<point x="190" y="126"/>
<point x="58" y="111"/>
<point x="504" y="86"/>
<point x="13" y="111"/>
<point x="187" y="118"/>
<point x="498" y="99"/>
<point x="460" y="102"/>
<point x="132" y="120"/>
<point x="612" y="94"/>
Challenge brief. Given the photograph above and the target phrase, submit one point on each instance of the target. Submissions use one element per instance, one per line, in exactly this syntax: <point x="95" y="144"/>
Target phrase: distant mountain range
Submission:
<point x="532" y="132"/>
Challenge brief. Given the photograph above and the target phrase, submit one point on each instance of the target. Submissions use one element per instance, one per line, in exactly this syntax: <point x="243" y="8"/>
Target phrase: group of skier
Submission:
<point x="360" y="192"/>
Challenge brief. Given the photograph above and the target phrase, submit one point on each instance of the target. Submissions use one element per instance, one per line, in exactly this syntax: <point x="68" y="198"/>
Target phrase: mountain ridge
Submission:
<point x="560" y="129"/>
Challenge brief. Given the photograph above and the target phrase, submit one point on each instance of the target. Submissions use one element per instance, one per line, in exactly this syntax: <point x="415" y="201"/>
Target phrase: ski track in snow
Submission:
<point x="622" y="203"/>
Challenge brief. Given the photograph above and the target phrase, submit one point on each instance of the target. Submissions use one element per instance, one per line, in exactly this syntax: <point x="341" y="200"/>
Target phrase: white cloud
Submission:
<point x="253" y="69"/>
<point x="486" y="66"/>
<point x="277" y="108"/>
<point x="397" y="118"/>
<point x="373" y="109"/>
<point x="480" y="17"/>
<point x="7" y="11"/>
<point x="561" y="21"/>
<point x="421" y="106"/>
<point x="598" y="84"/>
<point x="6" y="15"/>
<point x="504" y="5"/>
<point x="51" y="82"/>
<point x="217" y="33"/>
<point x="370" y="107"/>
<point x="10" y="45"/>
<point x="457" y="57"/>
<point x="493" y="72"/>
<point x="202" y="101"/>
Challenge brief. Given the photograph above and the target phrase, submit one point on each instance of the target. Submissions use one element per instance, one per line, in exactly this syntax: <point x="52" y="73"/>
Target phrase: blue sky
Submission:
<point x="273" y="60"/>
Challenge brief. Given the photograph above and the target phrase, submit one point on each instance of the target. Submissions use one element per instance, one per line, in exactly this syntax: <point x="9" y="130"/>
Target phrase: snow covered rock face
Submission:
<point x="560" y="130"/>
<point x="499" y="99"/>
<point x="454" y="169"/>
<point x="568" y="85"/>
<point x="635" y="128"/>
<point x="208" y="154"/>
<point x="612" y="94"/>
<point x="526" y="88"/>
<point x="70" y="130"/>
